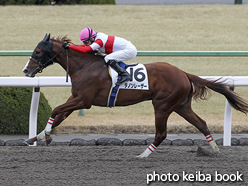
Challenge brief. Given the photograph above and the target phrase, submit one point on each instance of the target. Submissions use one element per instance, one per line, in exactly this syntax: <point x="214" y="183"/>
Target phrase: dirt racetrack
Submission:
<point x="118" y="165"/>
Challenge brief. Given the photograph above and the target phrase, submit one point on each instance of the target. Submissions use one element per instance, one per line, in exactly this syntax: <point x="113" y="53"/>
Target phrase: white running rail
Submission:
<point x="38" y="82"/>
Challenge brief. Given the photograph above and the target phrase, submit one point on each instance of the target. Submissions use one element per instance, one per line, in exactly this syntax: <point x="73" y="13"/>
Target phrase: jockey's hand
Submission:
<point x="66" y="45"/>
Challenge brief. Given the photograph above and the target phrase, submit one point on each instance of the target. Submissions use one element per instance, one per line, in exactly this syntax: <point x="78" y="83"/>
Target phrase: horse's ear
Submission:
<point x="46" y="38"/>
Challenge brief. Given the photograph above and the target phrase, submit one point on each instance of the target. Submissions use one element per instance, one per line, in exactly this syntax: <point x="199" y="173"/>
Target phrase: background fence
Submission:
<point x="158" y="53"/>
<point x="38" y="82"/>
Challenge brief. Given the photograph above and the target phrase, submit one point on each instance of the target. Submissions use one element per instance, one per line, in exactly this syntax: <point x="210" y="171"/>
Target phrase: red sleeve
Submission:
<point x="81" y="48"/>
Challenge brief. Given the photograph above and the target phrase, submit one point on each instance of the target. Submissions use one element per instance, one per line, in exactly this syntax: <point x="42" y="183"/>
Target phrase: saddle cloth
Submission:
<point x="139" y="77"/>
<point x="139" y="81"/>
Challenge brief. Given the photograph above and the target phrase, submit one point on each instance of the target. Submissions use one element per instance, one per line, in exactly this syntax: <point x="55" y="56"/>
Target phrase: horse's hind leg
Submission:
<point x="163" y="108"/>
<point x="164" y="103"/>
<point x="188" y="114"/>
<point x="161" y="132"/>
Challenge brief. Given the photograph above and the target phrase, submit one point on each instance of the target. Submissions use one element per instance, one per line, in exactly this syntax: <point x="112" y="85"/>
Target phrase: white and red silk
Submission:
<point x="105" y="43"/>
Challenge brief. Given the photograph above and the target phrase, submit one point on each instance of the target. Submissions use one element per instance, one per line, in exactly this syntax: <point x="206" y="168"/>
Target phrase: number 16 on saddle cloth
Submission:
<point x="139" y="81"/>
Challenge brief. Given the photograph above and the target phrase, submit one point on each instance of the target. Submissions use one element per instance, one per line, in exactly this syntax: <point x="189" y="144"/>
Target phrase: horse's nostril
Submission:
<point x="25" y="71"/>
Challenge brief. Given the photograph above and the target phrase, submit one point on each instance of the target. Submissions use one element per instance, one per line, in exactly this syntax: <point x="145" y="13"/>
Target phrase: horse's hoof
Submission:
<point x="49" y="141"/>
<point x="141" y="156"/>
<point x="28" y="142"/>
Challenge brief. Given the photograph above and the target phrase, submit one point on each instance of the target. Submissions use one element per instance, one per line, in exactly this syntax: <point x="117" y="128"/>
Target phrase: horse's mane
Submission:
<point x="61" y="40"/>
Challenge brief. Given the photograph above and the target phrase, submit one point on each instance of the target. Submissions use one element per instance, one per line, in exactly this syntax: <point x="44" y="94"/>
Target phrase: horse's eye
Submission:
<point x="37" y="52"/>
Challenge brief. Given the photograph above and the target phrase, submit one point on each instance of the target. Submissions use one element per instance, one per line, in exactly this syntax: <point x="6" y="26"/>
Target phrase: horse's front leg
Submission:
<point x="73" y="103"/>
<point x="45" y="134"/>
<point x="57" y="116"/>
<point x="51" y="124"/>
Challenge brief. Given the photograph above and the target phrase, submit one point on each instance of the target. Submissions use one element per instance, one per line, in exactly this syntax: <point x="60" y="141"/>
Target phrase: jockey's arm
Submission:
<point x="84" y="49"/>
<point x="81" y="48"/>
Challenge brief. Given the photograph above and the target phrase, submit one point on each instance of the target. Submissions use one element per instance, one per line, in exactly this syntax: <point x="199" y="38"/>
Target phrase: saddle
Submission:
<point x="131" y="65"/>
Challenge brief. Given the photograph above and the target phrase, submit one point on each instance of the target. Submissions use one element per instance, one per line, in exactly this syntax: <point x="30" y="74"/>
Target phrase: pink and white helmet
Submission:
<point x="87" y="34"/>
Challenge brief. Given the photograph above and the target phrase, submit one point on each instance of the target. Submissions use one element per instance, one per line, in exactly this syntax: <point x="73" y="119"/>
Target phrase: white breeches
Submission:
<point x="128" y="53"/>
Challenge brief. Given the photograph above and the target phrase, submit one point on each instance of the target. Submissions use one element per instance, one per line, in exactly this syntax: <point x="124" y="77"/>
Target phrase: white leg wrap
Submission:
<point x="147" y="152"/>
<point x="48" y="128"/>
<point x="41" y="135"/>
<point x="212" y="143"/>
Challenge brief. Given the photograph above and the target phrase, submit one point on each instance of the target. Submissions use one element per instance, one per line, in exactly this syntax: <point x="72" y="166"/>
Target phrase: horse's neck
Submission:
<point x="80" y="61"/>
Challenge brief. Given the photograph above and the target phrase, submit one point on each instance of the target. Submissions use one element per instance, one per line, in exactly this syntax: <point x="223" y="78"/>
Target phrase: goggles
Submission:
<point x="85" y="42"/>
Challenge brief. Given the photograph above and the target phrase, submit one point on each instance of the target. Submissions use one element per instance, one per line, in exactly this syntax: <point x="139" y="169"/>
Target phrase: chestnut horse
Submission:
<point x="170" y="89"/>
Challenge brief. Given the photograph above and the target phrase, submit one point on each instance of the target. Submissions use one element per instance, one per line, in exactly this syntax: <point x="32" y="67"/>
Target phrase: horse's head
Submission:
<point x="40" y="58"/>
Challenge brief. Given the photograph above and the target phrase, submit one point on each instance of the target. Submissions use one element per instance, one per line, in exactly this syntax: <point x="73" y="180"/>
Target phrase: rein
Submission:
<point x="82" y="65"/>
<point x="67" y="68"/>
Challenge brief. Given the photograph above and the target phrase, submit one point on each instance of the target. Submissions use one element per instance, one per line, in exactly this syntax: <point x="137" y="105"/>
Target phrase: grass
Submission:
<point x="165" y="28"/>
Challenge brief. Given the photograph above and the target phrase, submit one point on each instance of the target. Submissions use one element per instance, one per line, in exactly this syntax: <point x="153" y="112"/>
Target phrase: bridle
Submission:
<point x="41" y="66"/>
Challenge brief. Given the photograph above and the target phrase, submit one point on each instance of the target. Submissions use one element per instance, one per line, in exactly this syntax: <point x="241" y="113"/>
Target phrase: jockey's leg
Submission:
<point x="125" y="76"/>
<point x="126" y="54"/>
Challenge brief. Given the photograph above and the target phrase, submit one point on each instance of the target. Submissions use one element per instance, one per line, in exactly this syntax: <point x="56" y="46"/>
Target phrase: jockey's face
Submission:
<point x="88" y="42"/>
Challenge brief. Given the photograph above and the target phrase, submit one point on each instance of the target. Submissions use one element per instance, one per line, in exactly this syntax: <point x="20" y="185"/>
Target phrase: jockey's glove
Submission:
<point x="66" y="45"/>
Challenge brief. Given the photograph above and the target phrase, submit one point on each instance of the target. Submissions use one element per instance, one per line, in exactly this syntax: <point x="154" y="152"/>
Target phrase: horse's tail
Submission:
<point x="201" y="88"/>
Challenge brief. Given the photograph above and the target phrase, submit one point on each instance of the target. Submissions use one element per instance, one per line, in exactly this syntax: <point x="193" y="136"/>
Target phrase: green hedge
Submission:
<point x="15" y="107"/>
<point x="59" y="2"/>
<point x="85" y="2"/>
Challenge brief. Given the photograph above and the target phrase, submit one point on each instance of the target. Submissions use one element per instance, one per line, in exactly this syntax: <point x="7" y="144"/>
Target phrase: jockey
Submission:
<point x="116" y="49"/>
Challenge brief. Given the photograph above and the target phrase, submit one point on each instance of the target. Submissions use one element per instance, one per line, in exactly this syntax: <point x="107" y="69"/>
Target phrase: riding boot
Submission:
<point x="125" y="76"/>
